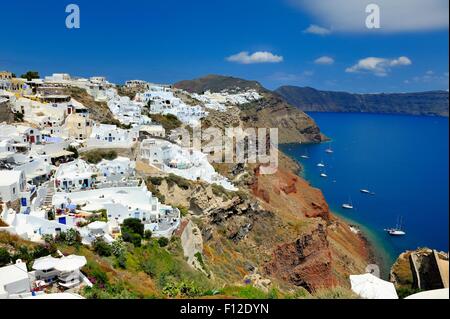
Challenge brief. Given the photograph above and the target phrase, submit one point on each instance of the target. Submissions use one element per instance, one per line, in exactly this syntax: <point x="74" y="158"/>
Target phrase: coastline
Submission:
<point x="378" y="254"/>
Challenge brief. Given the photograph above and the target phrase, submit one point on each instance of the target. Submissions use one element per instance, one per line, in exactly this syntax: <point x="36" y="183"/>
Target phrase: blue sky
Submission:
<point x="168" y="41"/>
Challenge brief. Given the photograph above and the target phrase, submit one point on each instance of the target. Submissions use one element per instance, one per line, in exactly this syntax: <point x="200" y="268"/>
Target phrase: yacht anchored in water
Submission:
<point x="366" y="191"/>
<point x="321" y="164"/>
<point x="397" y="230"/>
<point x="348" y="205"/>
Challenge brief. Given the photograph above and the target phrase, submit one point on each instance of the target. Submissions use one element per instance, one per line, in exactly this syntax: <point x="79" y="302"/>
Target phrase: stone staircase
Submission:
<point x="50" y="193"/>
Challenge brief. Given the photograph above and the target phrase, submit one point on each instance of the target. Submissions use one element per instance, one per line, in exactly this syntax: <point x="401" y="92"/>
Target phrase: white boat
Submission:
<point x="366" y="191"/>
<point x="305" y="155"/>
<point x="397" y="230"/>
<point x="321" y="164"/>
<point x="323" y="175"/>
<point x="348" y="205"/>
<point x="329" y="150"/>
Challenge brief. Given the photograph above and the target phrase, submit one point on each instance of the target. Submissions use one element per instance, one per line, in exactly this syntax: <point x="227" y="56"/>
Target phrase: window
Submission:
<point x="14" y="190"/>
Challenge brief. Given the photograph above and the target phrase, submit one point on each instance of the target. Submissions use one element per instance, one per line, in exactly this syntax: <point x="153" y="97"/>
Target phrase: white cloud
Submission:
<point x="257" y="57"/>
<point x="378" y="66"/>
<point x="315" y="29"/>
<point x="286" y="78"/>
<point x="326" y="60"/>
<point x="430" y="77"/>
<point x="395" y="16"/>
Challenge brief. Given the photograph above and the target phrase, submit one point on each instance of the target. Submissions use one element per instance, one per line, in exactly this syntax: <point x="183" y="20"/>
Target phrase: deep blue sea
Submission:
<point x="402" y="159"/>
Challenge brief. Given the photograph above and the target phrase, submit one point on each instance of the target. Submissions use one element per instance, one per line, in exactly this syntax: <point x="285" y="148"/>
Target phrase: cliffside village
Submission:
<point x="46" y="190"/>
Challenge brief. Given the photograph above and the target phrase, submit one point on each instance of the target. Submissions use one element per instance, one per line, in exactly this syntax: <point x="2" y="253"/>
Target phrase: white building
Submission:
<point x="74" y="176"/>
<point x="120" y="202"/>
<point x="65" y="270"/>
<point x="187" y="163"/>
<point x="14" y="280"/>
<point x="21" y="134"/>
<point x="120" y="167"/>
<point x="161" y="100"/>
<point x="12" y="185"/>
<point x="110" y="136"/>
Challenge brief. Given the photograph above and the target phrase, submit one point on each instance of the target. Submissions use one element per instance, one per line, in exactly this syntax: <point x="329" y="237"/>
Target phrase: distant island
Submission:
<point x="431" y="103"/>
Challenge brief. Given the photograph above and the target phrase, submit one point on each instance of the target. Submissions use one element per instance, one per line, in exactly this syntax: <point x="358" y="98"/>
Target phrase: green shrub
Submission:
<point x="148" y="234"/>
<point x="163" y="242"/>
<point x="134" y="225"/>
<point x="102" y="248"/>
<point x="71" y="237"/>
<point x="5" y="257"/>
<point x="183" y="210"/>
<point x="95" y="156"/>
<point x="131" y="237"/>
<point x="168" y="121"/>
<point x="181" y="289"/>
<point x="181" y="182"/>
<point x="155" y="180"/>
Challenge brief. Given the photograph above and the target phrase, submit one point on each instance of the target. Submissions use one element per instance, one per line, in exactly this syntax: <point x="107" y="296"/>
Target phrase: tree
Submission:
<point x="148" y="234"/>
<point x="30" y="75"/>
<point x="131" y="237"/>
<point x="102" y="248"/>
<point x="134" y="225"/>
<point x="5" y="257"/>
<point x="163" y="242"/>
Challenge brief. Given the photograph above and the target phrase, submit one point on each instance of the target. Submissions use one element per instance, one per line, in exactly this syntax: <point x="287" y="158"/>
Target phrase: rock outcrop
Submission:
<point x="306" y="262"/>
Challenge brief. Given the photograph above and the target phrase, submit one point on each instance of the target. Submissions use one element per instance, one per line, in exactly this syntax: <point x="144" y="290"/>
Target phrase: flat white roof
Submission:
<point x="9" y="177"/>
<point x="13" y="273"/>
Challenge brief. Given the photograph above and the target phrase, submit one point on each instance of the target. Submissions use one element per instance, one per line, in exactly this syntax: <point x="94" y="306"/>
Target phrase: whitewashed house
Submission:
<point x="74" y="176"/>
<point x="110" y="136"/>
<point x="12" y="185"/>
<point x="14" y="280"/>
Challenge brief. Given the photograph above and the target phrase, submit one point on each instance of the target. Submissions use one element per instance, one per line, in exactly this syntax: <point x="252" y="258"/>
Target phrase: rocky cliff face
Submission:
<point x="306" y="262"/>
<point x="276" y="223"/>
<point x="6" y="115"/>
<point x="420" y="103"/>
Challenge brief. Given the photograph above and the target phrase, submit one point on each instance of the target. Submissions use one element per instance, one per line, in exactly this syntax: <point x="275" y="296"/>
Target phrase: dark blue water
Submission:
<point x="402" y="159"/>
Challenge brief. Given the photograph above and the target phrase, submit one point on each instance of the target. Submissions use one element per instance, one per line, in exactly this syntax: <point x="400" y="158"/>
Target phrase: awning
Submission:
<point x="70" y="263"/>
<point x="45" y="263"/>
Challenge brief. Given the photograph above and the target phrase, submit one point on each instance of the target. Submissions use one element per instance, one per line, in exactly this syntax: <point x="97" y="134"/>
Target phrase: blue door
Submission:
<point x="62" y="220"/>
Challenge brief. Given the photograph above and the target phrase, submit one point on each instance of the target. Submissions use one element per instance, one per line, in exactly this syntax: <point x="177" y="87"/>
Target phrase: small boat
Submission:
<point x="365" y="191"/>
<point x="397" y="230"/>
<point x="329" y="150"/>
<point x="323" y="175"/>
<point x="321" y="164"/>
<point x="348" y="205"/>
<point x="305" y="155"/>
